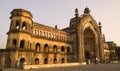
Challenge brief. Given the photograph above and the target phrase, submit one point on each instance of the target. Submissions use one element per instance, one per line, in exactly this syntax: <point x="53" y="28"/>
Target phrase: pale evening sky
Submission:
<point x="59" y="12"/>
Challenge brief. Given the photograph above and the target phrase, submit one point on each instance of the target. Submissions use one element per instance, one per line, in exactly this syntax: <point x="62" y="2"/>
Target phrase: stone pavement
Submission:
<point x="94" y="67"/>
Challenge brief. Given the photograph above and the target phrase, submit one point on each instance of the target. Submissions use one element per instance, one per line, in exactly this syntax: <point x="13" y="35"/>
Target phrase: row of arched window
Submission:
<point x="37" y="61"/>
<point x="19" y="25"/>
<point x="55" y="48"/>
<point x="38" y="47"/>
<point x="14" y="43"/>
<point x="49" y="35"/>
<point x="24" y="25"/>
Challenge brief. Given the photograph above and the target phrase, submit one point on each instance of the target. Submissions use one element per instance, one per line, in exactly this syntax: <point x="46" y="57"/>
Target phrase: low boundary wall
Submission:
<point x="51" y="65"/>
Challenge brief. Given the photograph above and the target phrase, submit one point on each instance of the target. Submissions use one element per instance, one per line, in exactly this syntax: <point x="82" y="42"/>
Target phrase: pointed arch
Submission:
<point x="88" y="25"/>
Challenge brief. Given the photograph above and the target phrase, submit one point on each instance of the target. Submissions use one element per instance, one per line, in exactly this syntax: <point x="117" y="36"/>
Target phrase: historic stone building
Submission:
<point x="113" y="50"/>
<point x="34" y="43"/>
<point x="106" y="50"/>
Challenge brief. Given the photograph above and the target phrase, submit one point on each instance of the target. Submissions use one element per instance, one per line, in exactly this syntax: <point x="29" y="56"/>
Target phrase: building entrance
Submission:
<point x="22" y="61"/>
<point x="89" y="45"/>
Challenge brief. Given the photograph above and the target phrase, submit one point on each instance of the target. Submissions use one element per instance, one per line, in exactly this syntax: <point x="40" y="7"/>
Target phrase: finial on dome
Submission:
<point x="99" y="23"/>
<point x="76" y="12"/>
<point x="100" y="26"/>
<point x="103" y="35"/>
<point x="56" y="27"/>
<point x="86" y="10"/>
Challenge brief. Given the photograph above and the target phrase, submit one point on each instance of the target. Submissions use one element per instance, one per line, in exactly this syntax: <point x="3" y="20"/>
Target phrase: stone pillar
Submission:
<point x="33" y="46"/>
<point x="18" y="43"/>
<point x="81" y="48"/>
<point x="9" y="43"/>
<point x="101" y="49"/>
<point x="13" y="61"/>
<point x="13" y="24"/>
<point x="3" y="60"/>
<point x="17" y="64"/>
<point x="20" y="24"/>
<point x="25" y="44"/>
<point x="11" y="27"/>
<point x="97" y="48"/>
<point x="28" y="44"/>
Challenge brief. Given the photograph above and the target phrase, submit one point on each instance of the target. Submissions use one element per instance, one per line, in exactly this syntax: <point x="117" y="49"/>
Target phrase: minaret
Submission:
<point x="76" y="12"/>
<point x="104" y="38"/>
<point x="100" y="27"/>
<point x="74" y="21"/>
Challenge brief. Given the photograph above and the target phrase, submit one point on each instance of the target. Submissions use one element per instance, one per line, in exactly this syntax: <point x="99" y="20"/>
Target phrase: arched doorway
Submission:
<point x="87" y="55"/>
<point x="89" y="38"/>
<point x="55" y="60"/>
<point x="62" y="60"/>
<point x="89" y="44"/>
<point x="36" y="61"/>
<point x="46" y="61"/>
<point x="22" y="61"/>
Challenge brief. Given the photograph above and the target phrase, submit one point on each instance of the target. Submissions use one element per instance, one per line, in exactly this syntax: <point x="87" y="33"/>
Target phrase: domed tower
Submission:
<point x="20" y="29"/>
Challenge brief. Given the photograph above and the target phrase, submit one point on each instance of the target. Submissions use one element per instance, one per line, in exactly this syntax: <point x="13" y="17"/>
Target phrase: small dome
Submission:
<point x="76" y="12"/>
<point x="21" y="12"/>
<point x="86" y="10"/>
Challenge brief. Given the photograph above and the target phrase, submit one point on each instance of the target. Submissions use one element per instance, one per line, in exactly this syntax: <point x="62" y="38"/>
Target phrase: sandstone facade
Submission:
<point x="33" y="43"/>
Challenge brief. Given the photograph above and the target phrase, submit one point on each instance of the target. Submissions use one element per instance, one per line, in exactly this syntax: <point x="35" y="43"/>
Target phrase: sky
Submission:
<point x="59" y="12"/>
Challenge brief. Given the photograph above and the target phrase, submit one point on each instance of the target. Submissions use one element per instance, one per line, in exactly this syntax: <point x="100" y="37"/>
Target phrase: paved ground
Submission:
<point x="95" y="67"/>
